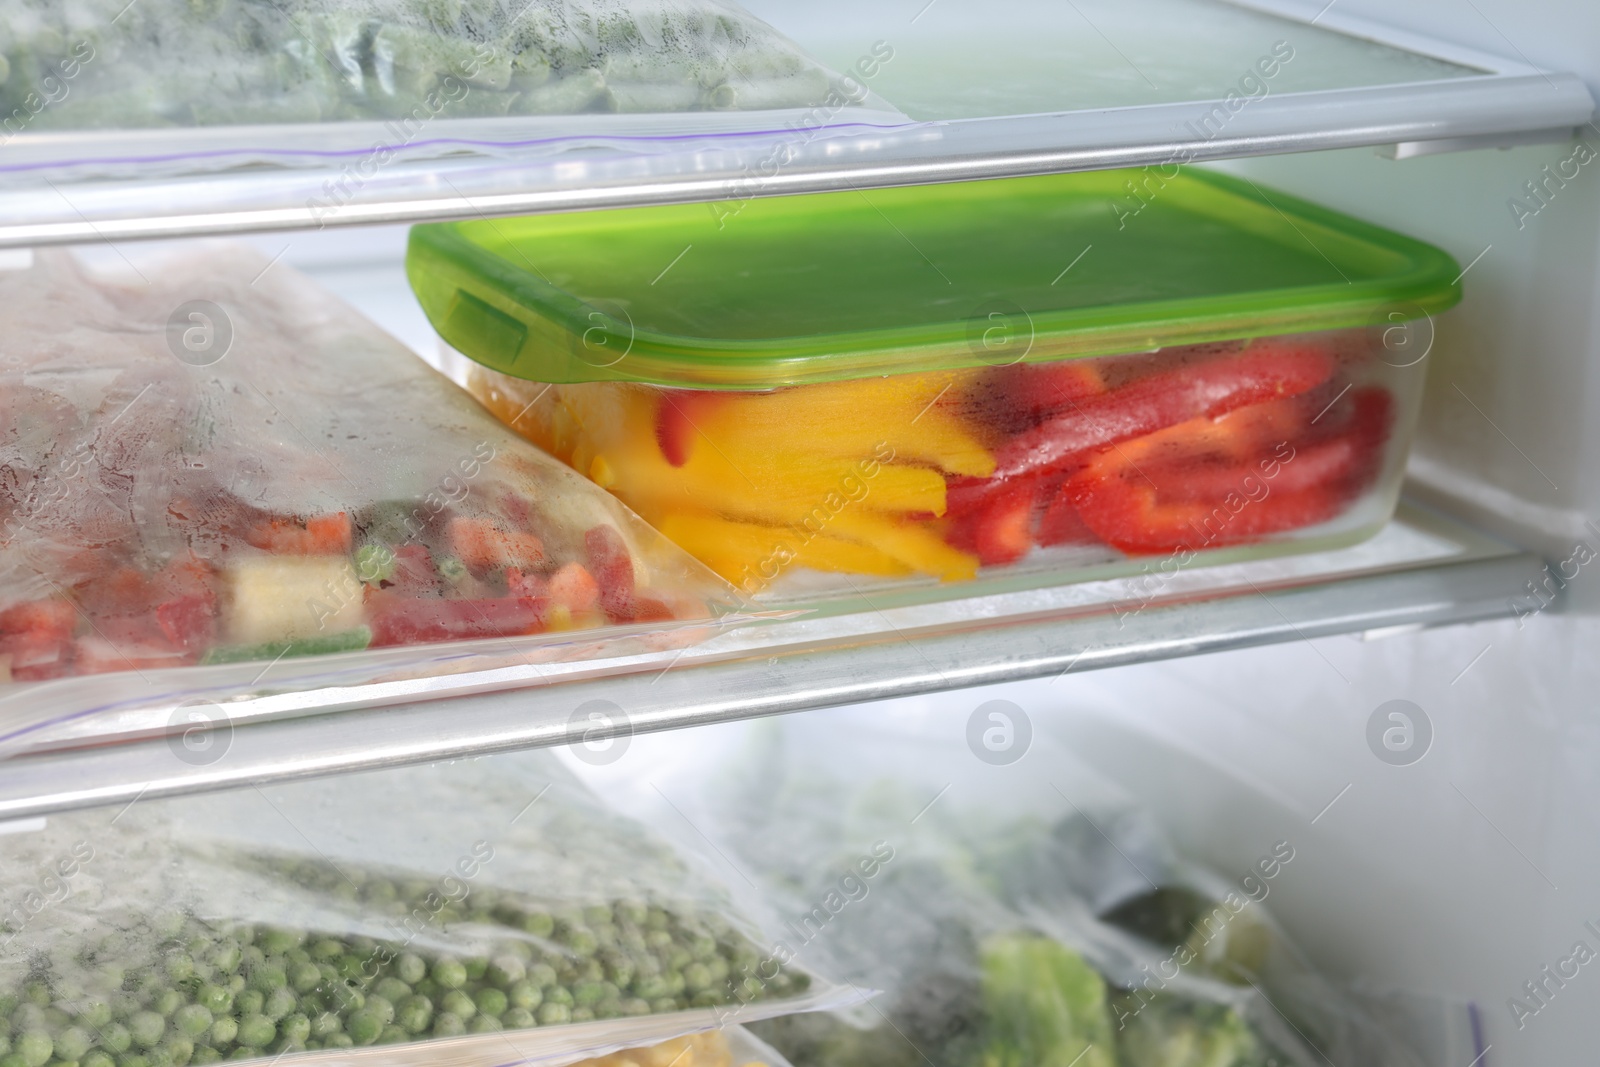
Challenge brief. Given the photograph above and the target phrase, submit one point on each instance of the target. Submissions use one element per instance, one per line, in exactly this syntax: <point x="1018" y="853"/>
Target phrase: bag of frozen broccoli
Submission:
<point x="478" y="912"/>
<point x="1013" y="914"/>
<point x="224" y="483"/>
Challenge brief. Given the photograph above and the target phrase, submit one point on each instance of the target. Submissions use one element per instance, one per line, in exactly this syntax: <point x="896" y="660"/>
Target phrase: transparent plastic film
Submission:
<point x="460" y="914"/>
<point x="221" y="482"/>
<point x="418" y="77"/>
<point x="1015" y="909"/>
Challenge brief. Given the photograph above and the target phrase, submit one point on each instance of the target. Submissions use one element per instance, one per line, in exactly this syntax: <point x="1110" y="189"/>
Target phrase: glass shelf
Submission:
<point x="1421" y="570"/>
<point x="1010" y="87"/>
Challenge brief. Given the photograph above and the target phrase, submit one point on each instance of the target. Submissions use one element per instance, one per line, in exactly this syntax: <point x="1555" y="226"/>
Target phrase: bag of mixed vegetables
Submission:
<point x="482" y="912"/>
<point x="226" y="469"/>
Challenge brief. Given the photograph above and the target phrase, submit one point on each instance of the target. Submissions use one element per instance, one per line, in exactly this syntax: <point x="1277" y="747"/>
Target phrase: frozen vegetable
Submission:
<point x="316" y="489"/>
<point x="105" y="64"/>
<point x="1043" y="1006"/>
<point x="181" y="934"/>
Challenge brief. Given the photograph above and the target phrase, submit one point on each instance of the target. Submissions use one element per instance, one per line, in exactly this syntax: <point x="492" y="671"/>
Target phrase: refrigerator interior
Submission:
<point x="1450" y="880"/>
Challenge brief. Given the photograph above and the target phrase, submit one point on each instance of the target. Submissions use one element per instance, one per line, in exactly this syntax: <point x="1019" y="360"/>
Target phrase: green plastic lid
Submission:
<point x="785" y="290"/>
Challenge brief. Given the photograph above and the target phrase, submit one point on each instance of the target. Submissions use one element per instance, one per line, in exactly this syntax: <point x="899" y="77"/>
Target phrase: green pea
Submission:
<point x="250" y="1002"/>
<point x="338" y="1041"/>
<point x="203" y="1055"/>
<point x="224" y="1030"/>
<point x="28" y="1017"/>
<point x="34" y="1048"/>
<point x="383" y="1006"/>
<point x="630" y="911"/>
<point x="506" y="969"/>
<point x="517" y="1019"/>
<point x="448" y="1024"/>
<point x="620" y="971"/>
<point x="235" y="984"/>
<point x="582" y="1015"/>
<point x="582" y="941"/>
<point x="559" y="995"/>
<point x="609" y="1008"/>
<point x="664" y="1005"/>
<point x="256" y="1031"/>
<point x="635" y="1006"/>
<point x="524" y="995"/>
<point x="72" y="1043"/>
<point x="657" y="919"/>
<point x="251" y="957"/>
<point x="37" y="993"/>
<point x="327" y="949"/>
<point x="116" y="1038"/>
<point x="97" y="1058"/>
<point x="393" y="1035"/>
<point x="476" y="967"/>
<point x="349" y="967"/>
<point x="588" y="994"/>
<point x="192" y="1020"/>
<point x="364" y="1026"/>
<point x="707" y="998"/>
<point x="268" y="976"/>
<point x="675" y="983"/>
<point x="215" y="999"/>
<point x="552" y="1014"/>
<point x="542" y="974"/>
<point x="279" y="1004"/>
<point x="459" y="1004"/>
<point x="294" y="1028"/>
<point x="484" y="1024"/>
<point x="304" y="977"/>
<point x="538" y="923"/>
<point x="147" y="1028"/>
<point x="392" y="989"/>
<point x="177" y="1051"/>
<point x="325" y="1024"/>
<point x="96" y="1012"/>
<point x="410" y="968"/>
<point x="414" y="1014"/>
<point x="167" y="1001"/>
<point x="491" y="1001"/>
<point x="133" y="1060"/>
<point x="449" y="973"/>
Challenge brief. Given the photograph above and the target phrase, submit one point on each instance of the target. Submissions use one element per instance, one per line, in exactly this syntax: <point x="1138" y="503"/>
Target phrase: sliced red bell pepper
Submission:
<point x="402" y="620"/>
<point x="414" y="573"/>
<point x="998" y="529"/>
<point x="611" y="564"/>
<point x="1167" y="492"/>
<point x="1060" y="524"/>
<point x="678" y="419"/>
<point x="1207" y="389"/>
<point x="1010" y="399"/>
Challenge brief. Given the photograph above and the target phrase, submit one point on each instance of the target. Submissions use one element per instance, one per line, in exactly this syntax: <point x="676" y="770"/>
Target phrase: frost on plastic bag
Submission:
<point x="106" y="64"/>
<point x="493" y="911"/>
<point x="228" y="466"/>
<point x="1012" y="926"/>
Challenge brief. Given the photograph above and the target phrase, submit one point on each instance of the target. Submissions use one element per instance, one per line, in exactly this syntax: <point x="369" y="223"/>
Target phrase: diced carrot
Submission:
<point x="482" y="546"/>
<point x="322" y="535"/>
<point x="574" y="587"/>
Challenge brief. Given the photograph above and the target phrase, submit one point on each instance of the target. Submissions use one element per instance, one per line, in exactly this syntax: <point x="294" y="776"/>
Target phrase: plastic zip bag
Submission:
<point x="226" y="484"/>
<point x="1030" y="913"/>
<point x="367" y="82"/>
<point x="470" y="913"/>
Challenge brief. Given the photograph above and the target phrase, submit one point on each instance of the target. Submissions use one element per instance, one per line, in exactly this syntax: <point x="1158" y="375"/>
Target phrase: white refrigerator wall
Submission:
<point x="1511" y="425"/>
